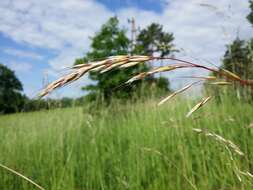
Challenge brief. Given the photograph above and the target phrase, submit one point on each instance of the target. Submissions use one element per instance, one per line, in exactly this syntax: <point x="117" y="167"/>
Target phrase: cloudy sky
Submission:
<point x="44" y="36"/>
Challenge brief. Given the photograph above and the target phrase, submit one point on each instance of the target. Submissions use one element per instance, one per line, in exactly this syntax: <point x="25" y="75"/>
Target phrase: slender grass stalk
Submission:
<point x="22" y="176"/>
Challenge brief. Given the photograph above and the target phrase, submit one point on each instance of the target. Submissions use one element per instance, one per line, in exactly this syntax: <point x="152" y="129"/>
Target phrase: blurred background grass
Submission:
<point x="132" y="146"/>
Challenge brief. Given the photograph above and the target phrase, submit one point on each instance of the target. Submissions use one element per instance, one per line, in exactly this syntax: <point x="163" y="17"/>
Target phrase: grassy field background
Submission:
<point x="135" y="146"/>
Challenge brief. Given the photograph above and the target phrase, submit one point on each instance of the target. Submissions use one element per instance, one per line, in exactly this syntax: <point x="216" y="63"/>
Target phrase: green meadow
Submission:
<point x="136" y="146"/>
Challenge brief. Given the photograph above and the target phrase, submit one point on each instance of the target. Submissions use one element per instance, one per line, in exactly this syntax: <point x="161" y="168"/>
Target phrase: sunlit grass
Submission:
<point x="135" y="146"/>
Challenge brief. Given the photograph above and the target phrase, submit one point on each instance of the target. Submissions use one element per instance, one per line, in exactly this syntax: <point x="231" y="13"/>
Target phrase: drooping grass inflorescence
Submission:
<point x="222" y="76"/>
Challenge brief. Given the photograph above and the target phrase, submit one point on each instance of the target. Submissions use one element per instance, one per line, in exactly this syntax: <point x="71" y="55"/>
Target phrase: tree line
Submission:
<point x="13" y="100"/>
<point x="112" y="40"/>
<point x="238" y="58"/>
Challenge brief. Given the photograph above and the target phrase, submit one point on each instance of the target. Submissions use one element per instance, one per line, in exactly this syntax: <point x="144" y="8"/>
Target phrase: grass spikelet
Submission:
<point x="73" y="76"/>
<point x="230" y="74"/>
<point x="136" y="77"/>
<point x="197" y="106"/>
<point x="112" y="66"/>
<point x="140" y="58"/>
<point x="22" y="176"/>
<point x="200" y="77"/>
<point x="177" y="92"/>
<point x="221" y="140"/>
<point x="130" y="64"/>
<point x="250" y="126"/>
<point x="80" y="66"/>
<point x="92" y="64"/>
<point x="99" y="68"/>
<point x="125" y="61"/>
<point x="153" y="71"/>
<point x="165" y="68"/>
<point x="221" y="83"/>
<point x="246" y="174"/>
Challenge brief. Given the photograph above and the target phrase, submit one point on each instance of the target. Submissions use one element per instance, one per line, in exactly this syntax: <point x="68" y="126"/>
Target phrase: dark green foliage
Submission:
<point x="109" y="41"/>
<point x="154" y="40"/>
<point x="250" y="16"/>
<point x="112" y="40"/>
<point x="11" y="99"/>
<point x="46" y="104"/>
<point x="238" y="59"/>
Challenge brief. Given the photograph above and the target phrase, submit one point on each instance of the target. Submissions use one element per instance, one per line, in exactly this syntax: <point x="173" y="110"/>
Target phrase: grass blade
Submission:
<point x="22" y="176"/>
<point x="177" y="92"/>
<point x="198" y="105"/>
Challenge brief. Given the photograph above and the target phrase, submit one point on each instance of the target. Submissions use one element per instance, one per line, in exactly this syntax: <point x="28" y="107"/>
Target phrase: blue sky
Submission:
<point x="43" y="36"/>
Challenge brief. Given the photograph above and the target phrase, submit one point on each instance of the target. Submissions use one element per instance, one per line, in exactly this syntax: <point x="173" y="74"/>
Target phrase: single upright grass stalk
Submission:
<point x="22" y="176"/>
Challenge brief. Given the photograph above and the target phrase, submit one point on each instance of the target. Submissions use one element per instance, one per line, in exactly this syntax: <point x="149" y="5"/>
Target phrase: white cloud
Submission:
<point x="201" y="27"/>
<point x="20" y="67"/>
<point x="22" y="54"/>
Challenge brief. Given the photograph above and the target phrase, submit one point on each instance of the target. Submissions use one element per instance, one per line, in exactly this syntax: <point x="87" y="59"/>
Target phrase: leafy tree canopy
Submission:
<point x="112" y="40"/>
<point x="250" y="16"/>
<point x="154" y="40"/>
<point x="238" y="58"/>
<point x="11" y="99"/>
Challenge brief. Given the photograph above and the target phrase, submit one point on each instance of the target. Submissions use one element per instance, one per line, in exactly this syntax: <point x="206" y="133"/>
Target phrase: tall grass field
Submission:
<point x="134" y="146"/>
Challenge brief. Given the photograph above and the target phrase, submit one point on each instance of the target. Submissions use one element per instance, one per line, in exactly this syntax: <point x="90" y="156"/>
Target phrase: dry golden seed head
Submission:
<point x="118" y="57"/>
<point x="136" y="77"/>
<point x="98" y="63"/>
<point x="166" y="99"/>
<point x="75" y="75"/>
<point x="139" y="58"/>
<point x="177" y="92"/>
<point x="81" y="65"/>
<point x="200" y="77"/>
<point x="50" y="87"/>
<point x="210" y="78"/>
<point x="197" y="106"/>
<point x="113" y="66"/>
<point x="246" y="173"/>
<point x="99" y="68"/>
<point x="163" y="69"/>
<point x="130" y="64"/>
<point x="250" y="126"/>
<point x="221" y="140"/>
<point x="197" y="130"/>
<point x="222" y="83"/>
<point x="233" y="75"/>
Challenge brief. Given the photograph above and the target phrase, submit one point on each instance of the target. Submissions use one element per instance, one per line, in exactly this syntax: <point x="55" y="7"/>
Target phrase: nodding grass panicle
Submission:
<point x="126" y="61"/>
<point x="221" y="140"/>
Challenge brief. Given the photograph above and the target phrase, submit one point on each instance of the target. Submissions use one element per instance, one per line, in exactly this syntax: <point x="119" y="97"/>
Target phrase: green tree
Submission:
<point x="109" y="41"/>
<point x="112" y="40"/>
<point x="238" y="58"/>
<point x="153" y="40"/>
<point x="250" y="15"/>
<point x="11" y="99"/>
